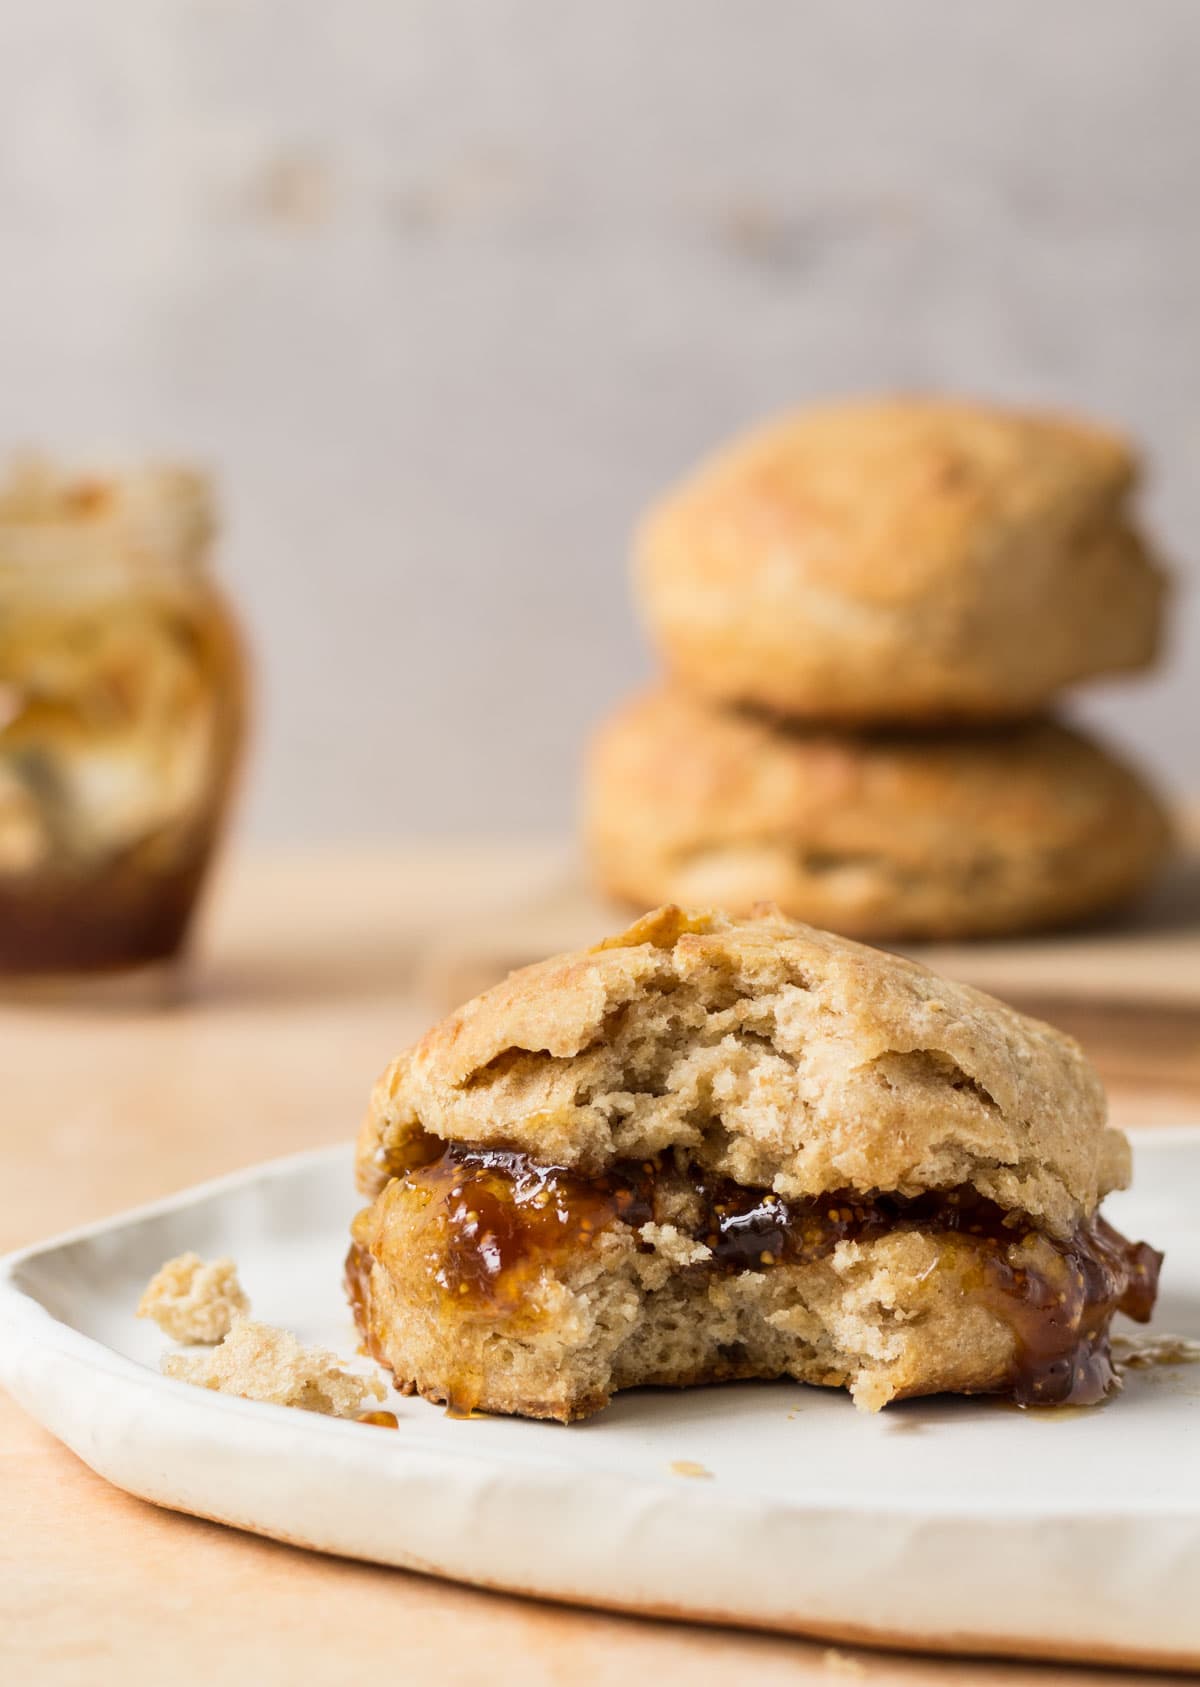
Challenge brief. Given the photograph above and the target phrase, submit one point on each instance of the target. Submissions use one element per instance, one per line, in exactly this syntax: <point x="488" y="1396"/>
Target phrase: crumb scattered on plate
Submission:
<point x="194" y="1300"/>
<point x="688" y="1467"/>
<point x="841" y="1663"/>
<point x="260" y="1362"/>
<point x="1141" y="1353"/>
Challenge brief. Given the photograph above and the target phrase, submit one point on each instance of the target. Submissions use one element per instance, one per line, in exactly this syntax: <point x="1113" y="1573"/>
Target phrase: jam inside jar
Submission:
<point x="122" y="701"/>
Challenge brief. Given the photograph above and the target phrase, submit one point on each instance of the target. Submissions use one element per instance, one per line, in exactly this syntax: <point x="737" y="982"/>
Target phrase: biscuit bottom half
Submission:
<point x="484" y="1279"/>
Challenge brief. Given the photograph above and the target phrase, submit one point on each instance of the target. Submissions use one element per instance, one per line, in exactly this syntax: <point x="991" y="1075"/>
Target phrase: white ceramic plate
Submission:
<point x="950" y="1525"/>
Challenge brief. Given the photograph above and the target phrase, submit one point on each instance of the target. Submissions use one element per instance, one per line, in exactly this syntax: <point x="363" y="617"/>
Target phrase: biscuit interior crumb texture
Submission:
<point x="259" y="1362"/>
<point x="194" y="1300"/>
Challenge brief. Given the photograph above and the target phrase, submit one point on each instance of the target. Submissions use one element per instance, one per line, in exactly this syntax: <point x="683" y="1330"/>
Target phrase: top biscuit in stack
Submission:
<point x="865" y="610"/>
<point x="903" y="561"/>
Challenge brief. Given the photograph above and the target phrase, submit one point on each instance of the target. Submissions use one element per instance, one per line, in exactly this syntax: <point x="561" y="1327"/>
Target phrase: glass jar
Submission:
<point x="122" y="702"/>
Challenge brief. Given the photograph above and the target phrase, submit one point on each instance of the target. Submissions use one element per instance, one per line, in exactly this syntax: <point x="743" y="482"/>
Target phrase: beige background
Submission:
<point x="444" y="290"/>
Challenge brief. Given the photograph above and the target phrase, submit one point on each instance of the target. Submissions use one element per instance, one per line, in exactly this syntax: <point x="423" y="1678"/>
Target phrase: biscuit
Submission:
<point x="903" y="559"/>
<point x="195" y="1300"/>
<point x="260" y="1362"/>
<point x="956" y="834"/>
<point x="711" y="1149"/>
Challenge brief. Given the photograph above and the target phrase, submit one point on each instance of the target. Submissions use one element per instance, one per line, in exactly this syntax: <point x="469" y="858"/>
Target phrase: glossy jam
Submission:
<point x="499" y="1219"/>
<point x="502" y="1215"/>
<point x="1059" y="1308"/>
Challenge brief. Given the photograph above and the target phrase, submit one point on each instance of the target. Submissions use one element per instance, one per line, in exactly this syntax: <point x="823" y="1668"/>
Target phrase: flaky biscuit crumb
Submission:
<point x="670" y="1241"/>
<point x="260" y="1362"/>
<point x="689" y="1467"/>
<point x="194" y="1300"/>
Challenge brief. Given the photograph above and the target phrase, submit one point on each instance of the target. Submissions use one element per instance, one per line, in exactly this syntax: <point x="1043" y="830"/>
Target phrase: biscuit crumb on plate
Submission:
<point x="194" y="1300"/>
<point x="689" y="1467"/>
<point x="259" y="1362"/>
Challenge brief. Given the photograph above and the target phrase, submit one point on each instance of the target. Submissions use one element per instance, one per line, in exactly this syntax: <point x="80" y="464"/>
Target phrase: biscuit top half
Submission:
<point x="765" y="1051"/>
<point x="886" y="500"/>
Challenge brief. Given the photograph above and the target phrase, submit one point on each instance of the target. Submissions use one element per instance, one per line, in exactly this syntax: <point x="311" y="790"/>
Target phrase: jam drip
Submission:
<point x="357" y="1281"/>
<point x="500" y="1218"/>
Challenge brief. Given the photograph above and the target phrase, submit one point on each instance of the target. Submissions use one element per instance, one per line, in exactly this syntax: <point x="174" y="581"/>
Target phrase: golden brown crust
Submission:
<point x="981" y="832"/>
<point x="772" y="1053"/>
<point x="902" y="559"/>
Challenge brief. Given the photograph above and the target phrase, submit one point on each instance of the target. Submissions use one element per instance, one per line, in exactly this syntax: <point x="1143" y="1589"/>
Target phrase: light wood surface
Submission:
<point x="308" y="980"/>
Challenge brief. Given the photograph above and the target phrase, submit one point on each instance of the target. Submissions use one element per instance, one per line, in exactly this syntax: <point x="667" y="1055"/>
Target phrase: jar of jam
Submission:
<point x="122" y="701"/>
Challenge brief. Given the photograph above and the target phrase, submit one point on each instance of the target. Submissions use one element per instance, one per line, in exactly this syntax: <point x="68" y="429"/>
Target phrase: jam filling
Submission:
<point x="500" y="1218"/>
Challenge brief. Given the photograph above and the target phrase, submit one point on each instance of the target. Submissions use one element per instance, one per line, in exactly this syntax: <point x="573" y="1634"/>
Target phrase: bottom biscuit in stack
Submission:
<point x="711" y="1149"/>
<point x="884" y="835"/>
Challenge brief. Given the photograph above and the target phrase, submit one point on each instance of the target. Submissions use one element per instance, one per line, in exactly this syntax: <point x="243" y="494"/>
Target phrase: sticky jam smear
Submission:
<point x="501" y="1219"/>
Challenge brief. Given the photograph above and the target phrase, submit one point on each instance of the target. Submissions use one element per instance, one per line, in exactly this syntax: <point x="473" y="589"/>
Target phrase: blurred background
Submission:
<point x="443" y="292"/>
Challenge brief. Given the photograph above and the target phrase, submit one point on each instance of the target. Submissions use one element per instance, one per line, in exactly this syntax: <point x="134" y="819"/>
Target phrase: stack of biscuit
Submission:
<point x="866" y="612"/>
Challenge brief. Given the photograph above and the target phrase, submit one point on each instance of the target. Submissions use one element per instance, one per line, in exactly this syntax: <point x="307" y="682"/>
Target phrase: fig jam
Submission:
<point x="501" y="1218"/>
